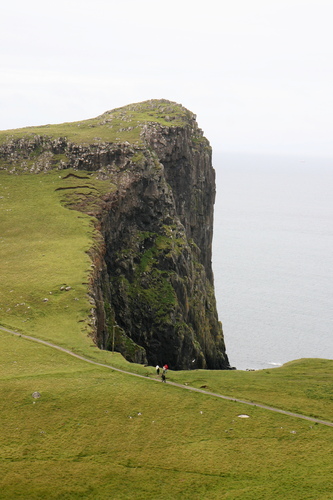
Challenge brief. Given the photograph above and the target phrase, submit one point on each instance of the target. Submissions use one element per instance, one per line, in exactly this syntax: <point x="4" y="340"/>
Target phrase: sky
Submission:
<point x="258" y="74"/>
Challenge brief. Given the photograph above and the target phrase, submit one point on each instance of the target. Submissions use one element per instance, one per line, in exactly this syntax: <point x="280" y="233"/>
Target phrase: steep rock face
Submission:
<point x="152" y="286"/>
<point x="187" y="160"/>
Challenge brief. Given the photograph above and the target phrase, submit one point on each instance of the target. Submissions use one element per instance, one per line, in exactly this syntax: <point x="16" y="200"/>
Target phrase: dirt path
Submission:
<point x="188" y="388"/>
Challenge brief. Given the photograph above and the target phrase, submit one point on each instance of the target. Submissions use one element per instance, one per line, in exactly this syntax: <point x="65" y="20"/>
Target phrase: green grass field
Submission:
<point x="99" y="434"/>
<point x="43" y="247"/>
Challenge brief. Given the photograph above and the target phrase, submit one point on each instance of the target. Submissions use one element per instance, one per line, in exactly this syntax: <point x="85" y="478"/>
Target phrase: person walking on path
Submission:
<point x="165" y="369"/>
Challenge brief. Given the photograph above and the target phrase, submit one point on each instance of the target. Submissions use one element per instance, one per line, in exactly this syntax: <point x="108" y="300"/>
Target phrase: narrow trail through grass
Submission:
<point x="175" y="384"/>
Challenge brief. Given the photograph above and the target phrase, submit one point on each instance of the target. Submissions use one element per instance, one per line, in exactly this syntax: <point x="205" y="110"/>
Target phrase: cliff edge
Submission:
<point x="151" y="286"/>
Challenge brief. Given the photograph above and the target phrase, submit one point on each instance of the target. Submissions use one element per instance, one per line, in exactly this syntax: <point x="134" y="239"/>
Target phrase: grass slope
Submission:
<point x="43" y="247"/>
<point x="302" y="386"/>
<point x="99" y="434"/>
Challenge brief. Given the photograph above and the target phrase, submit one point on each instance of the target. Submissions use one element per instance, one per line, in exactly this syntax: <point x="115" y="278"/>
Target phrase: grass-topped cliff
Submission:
<point x="142" y="186"/>
<point x="119" y="125"/>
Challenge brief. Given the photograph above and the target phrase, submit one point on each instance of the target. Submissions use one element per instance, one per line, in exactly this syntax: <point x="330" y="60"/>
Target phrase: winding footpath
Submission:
<point x="189" y="388"/>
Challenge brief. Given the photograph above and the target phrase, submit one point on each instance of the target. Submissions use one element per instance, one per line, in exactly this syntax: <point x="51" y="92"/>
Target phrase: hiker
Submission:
<point x="157" y="369"/>
<point x="165" y="368"/>
<point x="163" y="377"/>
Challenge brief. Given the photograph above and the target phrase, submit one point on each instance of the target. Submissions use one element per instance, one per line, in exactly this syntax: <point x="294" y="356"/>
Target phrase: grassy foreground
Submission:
<point x="98" y="434"/>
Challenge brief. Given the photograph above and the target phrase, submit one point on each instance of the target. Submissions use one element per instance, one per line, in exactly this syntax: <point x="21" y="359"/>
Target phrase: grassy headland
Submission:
<point x="98" y="434"/>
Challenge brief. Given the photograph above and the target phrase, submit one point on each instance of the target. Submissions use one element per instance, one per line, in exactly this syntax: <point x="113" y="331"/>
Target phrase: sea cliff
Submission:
<point x="151" y="286"/>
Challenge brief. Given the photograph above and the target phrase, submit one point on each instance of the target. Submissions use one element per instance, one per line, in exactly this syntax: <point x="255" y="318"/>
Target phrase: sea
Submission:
<point x="273" y="257"/>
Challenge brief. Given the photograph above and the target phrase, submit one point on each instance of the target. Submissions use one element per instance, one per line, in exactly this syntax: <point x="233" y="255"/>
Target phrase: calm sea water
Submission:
<point x="273" y="258"/>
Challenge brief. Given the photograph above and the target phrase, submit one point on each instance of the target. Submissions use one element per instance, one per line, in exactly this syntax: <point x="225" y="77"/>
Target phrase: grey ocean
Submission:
<point x="273" y="258"/>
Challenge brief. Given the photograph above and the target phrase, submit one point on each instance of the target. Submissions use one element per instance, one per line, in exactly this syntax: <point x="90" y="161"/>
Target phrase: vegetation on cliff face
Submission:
<point x="143" y="174"/>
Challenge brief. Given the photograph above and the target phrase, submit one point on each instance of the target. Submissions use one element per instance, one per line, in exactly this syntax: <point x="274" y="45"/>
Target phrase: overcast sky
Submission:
<point x="257" y="73"/>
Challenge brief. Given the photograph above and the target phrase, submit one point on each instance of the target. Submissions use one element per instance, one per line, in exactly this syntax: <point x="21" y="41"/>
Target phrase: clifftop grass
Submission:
<point x="118" y="125"/>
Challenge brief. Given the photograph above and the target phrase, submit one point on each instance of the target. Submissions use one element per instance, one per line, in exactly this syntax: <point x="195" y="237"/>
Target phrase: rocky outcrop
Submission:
<point x="152" y="289"/>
